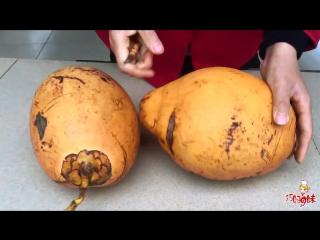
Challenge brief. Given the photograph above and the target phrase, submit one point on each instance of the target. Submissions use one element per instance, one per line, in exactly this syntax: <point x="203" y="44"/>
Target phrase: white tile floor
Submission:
<point x="53" y="45"/>
<point x="81" y="45"/>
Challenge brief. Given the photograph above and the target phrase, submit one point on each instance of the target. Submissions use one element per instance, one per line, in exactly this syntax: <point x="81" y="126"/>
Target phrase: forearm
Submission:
<point x="296" y="38"/>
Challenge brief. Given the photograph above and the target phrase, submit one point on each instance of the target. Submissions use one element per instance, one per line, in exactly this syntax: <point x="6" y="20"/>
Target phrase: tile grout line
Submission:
<point x="45" y="44"/>
<point x="301" y="68"/>
<point x="316" y="146"/>
<point x="9" y="68"/>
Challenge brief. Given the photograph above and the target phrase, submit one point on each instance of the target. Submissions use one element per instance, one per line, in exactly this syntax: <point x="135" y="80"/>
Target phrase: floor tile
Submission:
<point x="29" y="51"/>
<point x="5" y="64"/>
<point x="74" y="37"/>
<point x="71" y="52"/>
<point x="24" y="36"/>
<point x="310" y="60"/>
<point x="153" y="172"/>
<point x="301" y="68"/>
<point x="313" y="84"/>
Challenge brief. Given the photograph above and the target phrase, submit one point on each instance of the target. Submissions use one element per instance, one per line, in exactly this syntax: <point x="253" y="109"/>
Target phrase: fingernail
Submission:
<point x="282" y="118"/>
<point x="157" y="47"/>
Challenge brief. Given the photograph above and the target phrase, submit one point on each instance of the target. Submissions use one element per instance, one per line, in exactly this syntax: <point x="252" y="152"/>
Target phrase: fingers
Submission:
<point x="303" y="108"/>
<point x="301" y="102"/>
<point x="151" y="40"/>
<point x="147" y="61"/>
<point x="281" y="102"/>
<point x="141" y="66"/>
<point x="295" y="143"/>
<point x="281" y="70"/>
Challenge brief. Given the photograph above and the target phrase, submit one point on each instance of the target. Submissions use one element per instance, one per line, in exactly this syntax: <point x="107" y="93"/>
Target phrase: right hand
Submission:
<point x="122" y="41"/>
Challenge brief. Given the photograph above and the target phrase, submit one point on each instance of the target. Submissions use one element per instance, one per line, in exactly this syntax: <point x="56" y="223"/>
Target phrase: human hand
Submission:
<point x="123" y="40"/>
<point x="281" y="71"/>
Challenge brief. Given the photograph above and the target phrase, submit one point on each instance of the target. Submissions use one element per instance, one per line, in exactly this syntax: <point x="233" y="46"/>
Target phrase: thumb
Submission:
<point x="281" y="103"/>
<point x="151" y="40"/>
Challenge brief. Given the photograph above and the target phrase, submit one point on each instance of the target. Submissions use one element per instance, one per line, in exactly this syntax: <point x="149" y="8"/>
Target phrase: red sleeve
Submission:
<point x="314" y="36"/>
<point x="104" y="36"/>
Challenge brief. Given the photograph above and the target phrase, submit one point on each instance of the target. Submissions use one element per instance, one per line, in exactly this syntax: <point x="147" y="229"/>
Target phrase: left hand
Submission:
<point x="281" y="71"/>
